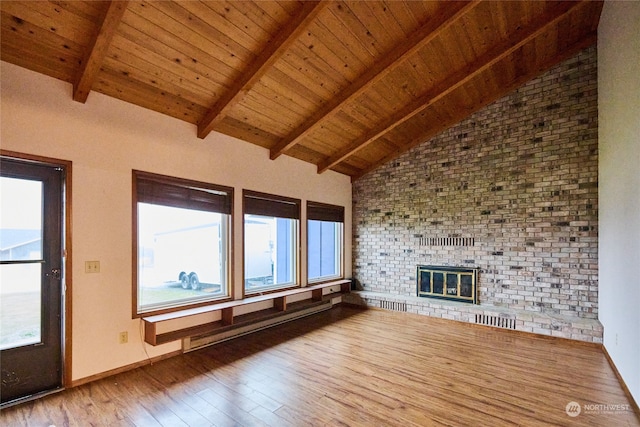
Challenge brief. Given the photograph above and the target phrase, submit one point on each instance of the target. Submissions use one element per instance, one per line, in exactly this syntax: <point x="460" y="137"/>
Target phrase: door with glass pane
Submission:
<point x="30" y="278"/>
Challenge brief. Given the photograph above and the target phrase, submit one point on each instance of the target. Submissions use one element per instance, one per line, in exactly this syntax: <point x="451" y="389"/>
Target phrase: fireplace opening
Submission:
<point x="451" y="283"/>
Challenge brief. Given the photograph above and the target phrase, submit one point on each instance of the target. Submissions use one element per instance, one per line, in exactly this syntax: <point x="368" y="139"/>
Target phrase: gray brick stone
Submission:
<point x="519" y="178"/>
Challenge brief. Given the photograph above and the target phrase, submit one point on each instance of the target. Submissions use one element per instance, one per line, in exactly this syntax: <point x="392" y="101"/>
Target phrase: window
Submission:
<point x="181" y="232"/>
<point x="271" y="225"/>
<point x="325" y="225"/>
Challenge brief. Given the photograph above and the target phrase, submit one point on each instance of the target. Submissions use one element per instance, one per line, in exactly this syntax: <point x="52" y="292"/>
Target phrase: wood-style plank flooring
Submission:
<point x="352" y="367"/>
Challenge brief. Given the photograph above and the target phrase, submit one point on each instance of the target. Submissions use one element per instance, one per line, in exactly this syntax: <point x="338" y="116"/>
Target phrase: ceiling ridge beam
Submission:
<point x="270" y="53"/>
<point x="427" y="32"/>
<point x="494" y="55"/>
<point x="97" y="50"/>
<point x="576" y="47"/>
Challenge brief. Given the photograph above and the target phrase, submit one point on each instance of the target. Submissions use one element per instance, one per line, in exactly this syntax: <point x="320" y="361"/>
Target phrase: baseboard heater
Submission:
<point x="200" y="341"/>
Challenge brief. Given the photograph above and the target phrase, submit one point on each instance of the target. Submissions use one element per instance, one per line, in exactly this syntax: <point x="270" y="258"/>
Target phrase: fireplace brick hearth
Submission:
<point x="580" y="329"/>
<point x="513" y="192"/>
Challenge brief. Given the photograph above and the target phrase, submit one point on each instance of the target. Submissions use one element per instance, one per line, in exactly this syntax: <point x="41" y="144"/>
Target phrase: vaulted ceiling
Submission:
<point x="346" y="86"/>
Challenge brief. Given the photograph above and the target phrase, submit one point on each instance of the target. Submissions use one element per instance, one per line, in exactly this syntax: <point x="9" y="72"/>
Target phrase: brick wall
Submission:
<point x="520" y="177"/>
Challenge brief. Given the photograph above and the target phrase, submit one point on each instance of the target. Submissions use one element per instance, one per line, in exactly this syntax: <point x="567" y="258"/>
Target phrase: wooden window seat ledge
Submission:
<point x="230" y="320"/>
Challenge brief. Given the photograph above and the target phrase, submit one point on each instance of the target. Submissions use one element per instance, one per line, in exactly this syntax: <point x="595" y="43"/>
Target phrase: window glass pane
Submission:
<point x="181" y="256"/>
<point x="466" y="285"/>
<point x="20" y="308"/>
<point x="324" y="249"/>
<point x="452" y="284"/>
<point x="20" y="241"/>
<point x="438" y="283"/>
<point x="269" y="252"/>
<point x="20" y="219"/>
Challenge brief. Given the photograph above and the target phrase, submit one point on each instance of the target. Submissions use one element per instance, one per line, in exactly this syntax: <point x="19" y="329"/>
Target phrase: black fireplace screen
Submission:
<point x="452" y="283"/>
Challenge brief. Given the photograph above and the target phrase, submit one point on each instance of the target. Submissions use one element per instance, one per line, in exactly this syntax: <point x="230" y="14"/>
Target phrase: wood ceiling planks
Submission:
<point x="346" y="86"/>
<point x="269" y="54"/>
<point x="373" y="75"/>
<point x="97" y="50"/>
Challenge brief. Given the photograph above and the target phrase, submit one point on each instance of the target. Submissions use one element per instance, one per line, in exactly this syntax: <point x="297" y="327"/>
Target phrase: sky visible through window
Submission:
<point x="26" y="214"/>
<point x="20" y="239"/>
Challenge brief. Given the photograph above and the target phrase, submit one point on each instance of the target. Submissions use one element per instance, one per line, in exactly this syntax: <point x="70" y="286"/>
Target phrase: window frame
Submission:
<point x="271" y="205"/>
<point x="186" y="194"/>
<point x="317" y="211"/>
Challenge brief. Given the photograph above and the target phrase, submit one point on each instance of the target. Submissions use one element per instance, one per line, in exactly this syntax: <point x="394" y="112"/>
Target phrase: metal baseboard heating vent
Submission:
<point x="496" y="321"/>
<point x="393" y="305"/>
<point x="194" y="343"/>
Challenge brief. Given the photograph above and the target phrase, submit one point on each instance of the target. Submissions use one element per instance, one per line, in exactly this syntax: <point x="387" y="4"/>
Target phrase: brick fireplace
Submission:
<point x="512" y="191"/>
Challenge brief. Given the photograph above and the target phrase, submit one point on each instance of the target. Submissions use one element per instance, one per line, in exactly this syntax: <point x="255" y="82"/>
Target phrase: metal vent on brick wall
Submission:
<point x="497" y="321"/>
<point x="447" y="241"/>
<point x="393" y="305"/>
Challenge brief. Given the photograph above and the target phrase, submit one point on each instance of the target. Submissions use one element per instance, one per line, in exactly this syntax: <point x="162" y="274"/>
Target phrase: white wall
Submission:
<point x="107" y="138"/>
<point x="619" y="186"/>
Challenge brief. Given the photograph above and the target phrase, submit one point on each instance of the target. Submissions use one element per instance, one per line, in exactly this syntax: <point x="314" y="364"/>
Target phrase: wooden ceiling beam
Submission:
<point x="431" y="29"/>
<point x="567" y="53"/>
<point x="97" y="50"/>
<point x="271" y="53"/>
<point x="503" y="49"/>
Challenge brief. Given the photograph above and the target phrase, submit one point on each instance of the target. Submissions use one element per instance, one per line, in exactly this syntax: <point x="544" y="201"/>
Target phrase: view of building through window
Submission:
<point x="269" y="252"/>
<point x="324" y="253"/>
<point x="181" y="255"/>
<point x="183" y="242"/>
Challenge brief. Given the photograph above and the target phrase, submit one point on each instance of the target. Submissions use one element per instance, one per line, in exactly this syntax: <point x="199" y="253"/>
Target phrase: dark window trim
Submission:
<point x="324" y="212"/>
<point x="264" y="204"/>
<point x="182" y="193"/>
<point x="209" y="200"/>
<point x="66" y="166"/>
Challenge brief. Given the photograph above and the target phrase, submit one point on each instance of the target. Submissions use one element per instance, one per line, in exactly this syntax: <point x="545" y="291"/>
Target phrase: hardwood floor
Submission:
<point x="353" y="367"/>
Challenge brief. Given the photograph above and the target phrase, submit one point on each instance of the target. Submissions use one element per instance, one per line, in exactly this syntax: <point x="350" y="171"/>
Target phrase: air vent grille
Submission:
<point x="497" y="321"/>
<point x="393" y="305"/>
<point x="447" y="241"/>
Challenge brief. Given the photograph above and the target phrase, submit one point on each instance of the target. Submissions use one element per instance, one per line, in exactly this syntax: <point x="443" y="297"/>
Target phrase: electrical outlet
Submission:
<point x="92" y="266"/>
<point x="123" y="337"/>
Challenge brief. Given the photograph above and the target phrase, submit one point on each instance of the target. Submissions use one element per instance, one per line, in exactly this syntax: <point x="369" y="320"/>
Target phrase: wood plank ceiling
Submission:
<point x="346" y="86"/>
